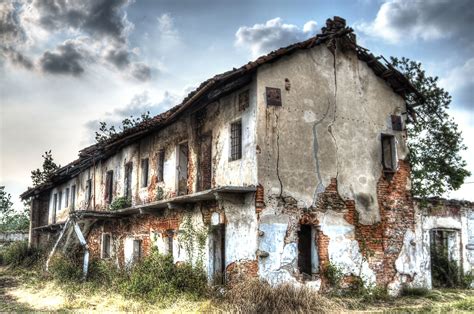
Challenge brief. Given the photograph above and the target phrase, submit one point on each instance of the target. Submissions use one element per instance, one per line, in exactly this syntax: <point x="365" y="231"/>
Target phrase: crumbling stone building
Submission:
<point x="290" y="163"/>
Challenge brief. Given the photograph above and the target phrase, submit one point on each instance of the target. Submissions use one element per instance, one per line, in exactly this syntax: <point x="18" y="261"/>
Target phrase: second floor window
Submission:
<point x="73" y="196"/>
<point x="66" y="198"/>
<point x="161" y="165"/>
<point x="55" y="206"/>
<point x="389" y="154"/>
<point x="109" y="185"/>
<point x="60" y="200"/>
<point x="144" y="169"/>
<point x="88" y="189"/>
<point x="236" y="140"/>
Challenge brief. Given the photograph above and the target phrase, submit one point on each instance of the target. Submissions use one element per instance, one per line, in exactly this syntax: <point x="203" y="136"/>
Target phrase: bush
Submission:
<point x="334" y="275"/>
<point x="157" y="277"/>
<point x="65" y="269"/>
<point x="18" y="254"/>
<point x="120" y="202"/>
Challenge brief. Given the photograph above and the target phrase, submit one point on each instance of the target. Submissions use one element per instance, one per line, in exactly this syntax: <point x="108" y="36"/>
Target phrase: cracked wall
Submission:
<point x="320" y="161"/>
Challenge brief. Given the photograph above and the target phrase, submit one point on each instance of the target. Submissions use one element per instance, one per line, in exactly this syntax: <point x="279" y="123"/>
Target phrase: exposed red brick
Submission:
<point x="241" y="270"/>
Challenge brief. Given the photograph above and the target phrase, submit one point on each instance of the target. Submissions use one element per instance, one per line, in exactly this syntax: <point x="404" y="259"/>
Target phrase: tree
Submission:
<point x="105" y="132"/>
<point x="40" y="176"/>
<point x="434" y="140"/>
<point x="9" y="218"/>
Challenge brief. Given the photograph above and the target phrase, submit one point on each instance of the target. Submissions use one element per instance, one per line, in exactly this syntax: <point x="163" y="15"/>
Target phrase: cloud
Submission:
<point x="141" y="71"/>
<point x="459" y="81"/>
<point x="98" y="18"/>
<point x="400" y="20"/>
<point x="138" y="105"/>
<point x="68" y="58"/>
<point x="12" y="34"/>
<point x="262" y="38"/>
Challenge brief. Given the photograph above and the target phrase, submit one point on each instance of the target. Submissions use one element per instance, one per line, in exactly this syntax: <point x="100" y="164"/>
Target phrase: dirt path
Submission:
<point x="7" y="301"/>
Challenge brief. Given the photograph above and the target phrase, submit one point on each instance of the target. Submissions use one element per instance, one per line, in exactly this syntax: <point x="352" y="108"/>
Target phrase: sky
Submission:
<point x="66" y="65"/>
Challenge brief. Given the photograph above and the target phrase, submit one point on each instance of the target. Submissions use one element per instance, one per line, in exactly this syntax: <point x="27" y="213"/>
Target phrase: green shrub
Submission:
<point x="334" y="275"/>
<point x="19" y="254"/>
<point x="120" y="202"/>
<point x="157" y="277"/>
<point x="65" y="269"/>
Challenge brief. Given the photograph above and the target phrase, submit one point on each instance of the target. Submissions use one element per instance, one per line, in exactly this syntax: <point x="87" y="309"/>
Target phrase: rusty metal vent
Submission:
<point x="273" y="96"/>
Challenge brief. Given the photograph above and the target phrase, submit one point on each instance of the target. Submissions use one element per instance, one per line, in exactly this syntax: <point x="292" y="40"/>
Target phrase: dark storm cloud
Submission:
<point x="399" y="20"/>
<point x="96" y="17"/>
<point x="68" y="58"/>
<point x="120" y="57"/>
<point x="141" y="71"/>
<point x="262" y="38"/>
<point x="12" y="35"/>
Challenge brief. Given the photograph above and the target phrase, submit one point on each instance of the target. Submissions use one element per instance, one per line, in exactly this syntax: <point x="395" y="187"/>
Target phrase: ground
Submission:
<point x="27" y="291"/>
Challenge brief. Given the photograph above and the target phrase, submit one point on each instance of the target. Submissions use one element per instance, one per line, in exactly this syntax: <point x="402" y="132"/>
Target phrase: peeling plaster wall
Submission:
<point x="328" y="128"/>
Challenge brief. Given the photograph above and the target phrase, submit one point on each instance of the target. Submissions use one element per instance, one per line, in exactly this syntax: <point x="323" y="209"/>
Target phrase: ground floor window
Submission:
<point x="106" y="245"/>
<point x="137" y="250"/>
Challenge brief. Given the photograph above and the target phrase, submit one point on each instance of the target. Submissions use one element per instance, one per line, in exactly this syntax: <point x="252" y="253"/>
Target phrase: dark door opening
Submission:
<point x="304" y="250"/>
<point x="205" y="163"/>
<point x="445" y="270"/>
<point x="217" y="254"/>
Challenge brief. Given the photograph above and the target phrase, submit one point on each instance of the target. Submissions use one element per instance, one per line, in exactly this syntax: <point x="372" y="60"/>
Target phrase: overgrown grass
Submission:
<point x="19" y="254"/>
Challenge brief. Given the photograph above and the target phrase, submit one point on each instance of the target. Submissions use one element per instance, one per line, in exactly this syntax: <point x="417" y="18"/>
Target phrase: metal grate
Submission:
<point x="236" y="140"/>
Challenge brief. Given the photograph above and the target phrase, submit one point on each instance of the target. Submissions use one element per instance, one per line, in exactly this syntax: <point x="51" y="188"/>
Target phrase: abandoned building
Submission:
<point x="286" y="165"/>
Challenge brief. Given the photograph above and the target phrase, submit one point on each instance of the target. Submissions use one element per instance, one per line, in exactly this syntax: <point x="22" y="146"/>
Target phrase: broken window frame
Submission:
<point x="109" y="186"/>
<point x="160" y="172"/>
<point x="144" y="167"/>
<point x="389" y="153"/>
<point x="235" y="140"/>
<point x="106" y="246"/>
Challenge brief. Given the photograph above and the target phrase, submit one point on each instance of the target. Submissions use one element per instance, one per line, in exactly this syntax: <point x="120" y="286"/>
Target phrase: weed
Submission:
<point x="334" y="275"/>
<point x="19" y="254"/>
<point x="120" y="203"/>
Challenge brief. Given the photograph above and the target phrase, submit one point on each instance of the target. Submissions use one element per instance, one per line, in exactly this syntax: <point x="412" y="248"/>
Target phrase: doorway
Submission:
<point x="217" y="254"/>
<point x="444" y="257"/>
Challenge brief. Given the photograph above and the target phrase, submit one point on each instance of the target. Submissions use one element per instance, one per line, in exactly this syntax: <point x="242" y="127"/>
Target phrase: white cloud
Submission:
<point x="262" y="38"/>
<point x="402" y="20"/>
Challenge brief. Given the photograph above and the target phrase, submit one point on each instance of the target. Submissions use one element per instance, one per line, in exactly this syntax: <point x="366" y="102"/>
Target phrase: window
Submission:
<point x="55" y="207"/>
<point x="106" y="245"/>
<point x="161" y="165"/>
<point x="73" y="196"/>
<point x="144" y="167"/>
<point x="236" y="140"/>
<point x="60" y="200"/>
<point x="170" y="234"/>
<point x="109" y="185"/>
<point x="66" y="198"/>
<point x="389" y="154"/>
<point x="137" y="250"/>
<point x="307" y="256"/>
<point x="182" y="176"/>
<point x="89" y="189"/>
<point x="128" y="179"/>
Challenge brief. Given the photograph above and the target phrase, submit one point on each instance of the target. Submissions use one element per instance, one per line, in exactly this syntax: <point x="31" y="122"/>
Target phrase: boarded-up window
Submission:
<point x="128" y="179"/>
<point x="205" y="163"/>
<point x="236" y="140"/>
<point x="66" y="198"/>
<point x="73" y="196"/>
<point x="161" y="165"/>
<point x="106" y="245"/>
<point x="109" y="186"/>
<point x="137" y="250"/>
<point x="144" y="170"/>
<point x="389" y="154"/>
